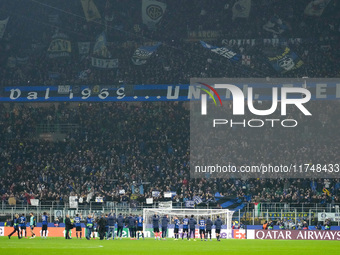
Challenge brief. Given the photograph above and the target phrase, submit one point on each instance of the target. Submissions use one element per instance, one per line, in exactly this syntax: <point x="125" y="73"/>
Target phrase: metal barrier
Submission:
<point x="55" y="208"/>
<point x="249" y="215"/>
<point x="292" y="212"/>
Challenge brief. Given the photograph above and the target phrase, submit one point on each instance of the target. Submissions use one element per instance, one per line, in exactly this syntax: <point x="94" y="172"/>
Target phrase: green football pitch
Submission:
<point x="58" y="245"/>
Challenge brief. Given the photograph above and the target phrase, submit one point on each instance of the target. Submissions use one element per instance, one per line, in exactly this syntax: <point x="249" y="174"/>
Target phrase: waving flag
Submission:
<point x="316" y="7"/>
<point x="152" y="12"/>
<point x="197" y="200"/>
<point x="100" y="47"/>
<point x="275" y="25"/>
<point x="90" y="10"/>
<point x="3" y="24"/>
<point x="222" y="51"/>
<point x="241" y="9"/>
<point x="285" y="61"/>
<point x="143" y="53"/>
<point x="102" y="57"/>
<point x="60" y="46"/>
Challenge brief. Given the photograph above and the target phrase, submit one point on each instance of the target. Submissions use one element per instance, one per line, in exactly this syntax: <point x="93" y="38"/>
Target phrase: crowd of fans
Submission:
<point x="138" y="148"/>
<point x="121" y="146"/>
<point x="30" y="29"/>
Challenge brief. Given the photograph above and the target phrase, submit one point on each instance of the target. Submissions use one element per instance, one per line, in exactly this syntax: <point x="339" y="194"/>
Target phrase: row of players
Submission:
<point x="189" y="226"/>
<point x="106" y="226"/>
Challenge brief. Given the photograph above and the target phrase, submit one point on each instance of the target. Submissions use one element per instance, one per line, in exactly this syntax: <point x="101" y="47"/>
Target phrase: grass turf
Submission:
<point x="58" y="245"/>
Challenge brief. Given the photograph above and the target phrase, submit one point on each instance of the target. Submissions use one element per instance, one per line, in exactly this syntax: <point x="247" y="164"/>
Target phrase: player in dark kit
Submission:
<point x="22" y="224"/>
<point x="140" y="222"/>
<point x="107" y="226"/>
<point x="44" y="219"/>
<point x="101" y="227"/>
<point x="131" y="226"/>
<point x="15" y="226"/>
<point x="165" y="222"/>
<point x="185" y="227"/>
<point x="218" y="225"/>
<point x="155" y="225"/>
<point x="192" y="224"/>
<point x="68" y="227"/>
<point x="176" y="228"/>
<point x="202" y="229"/>
<point x="77" y="224"/>
<point x="208" y="225"/>
<point x="111" y="220"/>
<point x="135" y="228"/>
<point x="120" y="225"/>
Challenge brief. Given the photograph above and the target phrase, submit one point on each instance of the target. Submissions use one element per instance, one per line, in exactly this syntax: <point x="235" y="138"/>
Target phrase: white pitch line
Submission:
<point x="49" y="247"/>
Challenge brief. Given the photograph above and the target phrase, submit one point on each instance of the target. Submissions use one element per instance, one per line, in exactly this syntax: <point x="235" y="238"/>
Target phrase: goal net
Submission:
<point x="225" y="216"/>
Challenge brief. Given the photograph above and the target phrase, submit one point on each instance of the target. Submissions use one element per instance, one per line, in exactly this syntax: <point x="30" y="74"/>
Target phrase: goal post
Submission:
<point x="224" y="214"/>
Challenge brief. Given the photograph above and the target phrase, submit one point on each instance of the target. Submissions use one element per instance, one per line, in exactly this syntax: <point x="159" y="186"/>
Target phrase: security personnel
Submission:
<point x="265" y="225"/>
<point x="328" y="224"/>
<point x="271" y="225"/>
<point x="15" y="226"/>
<point x="281" y="225"/>
<point x="89" y="226"/>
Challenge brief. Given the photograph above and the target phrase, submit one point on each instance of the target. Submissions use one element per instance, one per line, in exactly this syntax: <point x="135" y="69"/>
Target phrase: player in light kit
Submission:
<point x="208" y="225"/>
<point x="44" y="219"/>
<point x="33" y="223"/>
<point x="176" y="228"/>
<point x="140" y="222"/>
<point x="202" y="229"/>
<point x="22" y="224"/>
<point x="185" y="227"/>
<point x="155" y="224"/>
<point x="95" y="226"/>
<point x="77" y="223"/>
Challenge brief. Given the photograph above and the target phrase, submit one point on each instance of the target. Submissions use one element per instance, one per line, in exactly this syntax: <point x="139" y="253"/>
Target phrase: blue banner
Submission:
<point x="190" y="204"/>
<point x="143" y="53"/>
<point x="222" y="51"/>
<point x="322" y="89"/>
<point x="197" y="200"/>
<point x="285" y="61"/>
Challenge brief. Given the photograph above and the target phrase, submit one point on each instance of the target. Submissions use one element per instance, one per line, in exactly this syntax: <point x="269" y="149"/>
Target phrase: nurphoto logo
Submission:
<point x="239" y="99"/>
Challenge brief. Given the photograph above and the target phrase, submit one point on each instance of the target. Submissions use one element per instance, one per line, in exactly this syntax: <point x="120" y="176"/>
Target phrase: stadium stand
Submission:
<point x="108" y="147"/>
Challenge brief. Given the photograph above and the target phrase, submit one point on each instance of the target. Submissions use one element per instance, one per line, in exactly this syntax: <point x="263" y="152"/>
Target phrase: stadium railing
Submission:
<point x="248" y="215"/>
